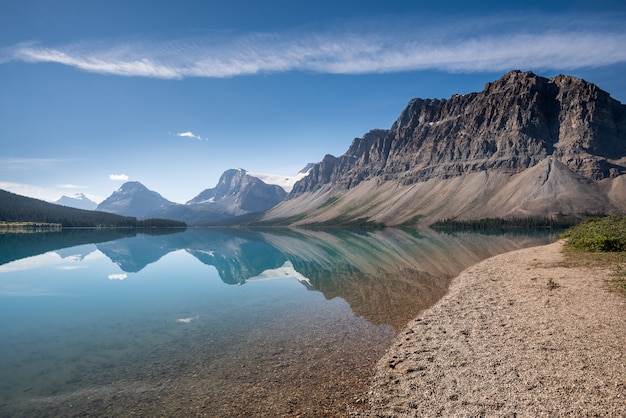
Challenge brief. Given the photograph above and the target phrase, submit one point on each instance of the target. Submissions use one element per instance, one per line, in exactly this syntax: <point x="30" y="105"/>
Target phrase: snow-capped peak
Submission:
<point x="77" y="200"/>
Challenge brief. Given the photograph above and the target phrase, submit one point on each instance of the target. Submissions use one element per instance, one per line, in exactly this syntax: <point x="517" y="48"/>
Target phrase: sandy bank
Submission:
<point x="517" y="334"/>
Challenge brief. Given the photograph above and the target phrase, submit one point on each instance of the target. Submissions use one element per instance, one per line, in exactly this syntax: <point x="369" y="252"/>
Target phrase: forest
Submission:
<point x="16" y="208"/>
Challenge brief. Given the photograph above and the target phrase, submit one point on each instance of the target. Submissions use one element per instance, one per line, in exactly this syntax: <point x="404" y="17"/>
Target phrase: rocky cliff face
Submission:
<point x="340" y="171"/>
<point x="513" y="125"/>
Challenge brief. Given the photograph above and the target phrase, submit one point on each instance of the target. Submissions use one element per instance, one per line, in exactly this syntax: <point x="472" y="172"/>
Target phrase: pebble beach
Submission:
<point x="520" y="334"/>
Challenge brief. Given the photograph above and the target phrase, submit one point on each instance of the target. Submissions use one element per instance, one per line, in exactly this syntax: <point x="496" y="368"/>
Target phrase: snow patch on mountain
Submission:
<point x="286" y="182"/>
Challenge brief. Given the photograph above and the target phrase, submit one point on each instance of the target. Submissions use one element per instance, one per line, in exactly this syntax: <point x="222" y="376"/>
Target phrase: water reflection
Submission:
<point x="386" y="275"/>
<point x="15" y="246"/>
<point x="99" y="320"/>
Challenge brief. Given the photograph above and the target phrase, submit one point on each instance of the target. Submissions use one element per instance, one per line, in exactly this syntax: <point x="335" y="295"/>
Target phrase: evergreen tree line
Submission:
<point x="16" y="208"/>
<point x="557" y="222"/>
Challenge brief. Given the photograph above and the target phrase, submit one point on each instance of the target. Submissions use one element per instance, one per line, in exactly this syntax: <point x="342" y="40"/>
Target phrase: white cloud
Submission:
<point x="118" y="177"/>
<point x="455" y="44"/>
<point x="286" y="182"/>
<point x="189" y="135"/>
<point x="121" y="276"/>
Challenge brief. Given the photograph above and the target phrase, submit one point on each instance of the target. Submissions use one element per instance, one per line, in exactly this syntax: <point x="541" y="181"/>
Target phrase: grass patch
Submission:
<point x="598" y="235"/>
<point x="599" y="242"/>
<point x="577" y="258"/>
<point x="614" y="261"/>
<point x="26" y="227"/>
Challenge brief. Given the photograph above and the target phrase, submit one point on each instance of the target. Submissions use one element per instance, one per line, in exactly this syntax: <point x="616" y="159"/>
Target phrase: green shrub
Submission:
<point x="604" y="234"/>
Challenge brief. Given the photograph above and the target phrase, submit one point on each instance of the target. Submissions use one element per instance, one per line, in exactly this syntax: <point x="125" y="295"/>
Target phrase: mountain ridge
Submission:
<point x="460" y="157"/>
<point x="236" y="194"/>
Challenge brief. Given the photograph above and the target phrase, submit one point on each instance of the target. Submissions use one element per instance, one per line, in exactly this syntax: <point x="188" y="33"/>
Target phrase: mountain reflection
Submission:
<point x="17" y="246"/>
<point x="387" y="276"/>
<point x="237" y="258"/>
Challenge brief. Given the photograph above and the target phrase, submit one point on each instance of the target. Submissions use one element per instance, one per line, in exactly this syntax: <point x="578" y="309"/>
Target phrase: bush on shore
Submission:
<point x="598" y="235"/>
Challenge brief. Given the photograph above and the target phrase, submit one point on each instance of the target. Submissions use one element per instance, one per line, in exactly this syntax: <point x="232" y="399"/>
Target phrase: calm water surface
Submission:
<point x="211" y="322"/>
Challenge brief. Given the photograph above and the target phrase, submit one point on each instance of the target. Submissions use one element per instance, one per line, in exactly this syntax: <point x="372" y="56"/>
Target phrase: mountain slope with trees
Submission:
<point x="16" y="208"/>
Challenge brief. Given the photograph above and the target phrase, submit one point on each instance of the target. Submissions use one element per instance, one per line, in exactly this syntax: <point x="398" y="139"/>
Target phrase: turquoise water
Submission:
<point x="214" y="323"/>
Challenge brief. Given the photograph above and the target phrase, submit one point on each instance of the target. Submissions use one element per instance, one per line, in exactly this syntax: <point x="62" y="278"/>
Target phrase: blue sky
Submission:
<point x="172" y="93"/>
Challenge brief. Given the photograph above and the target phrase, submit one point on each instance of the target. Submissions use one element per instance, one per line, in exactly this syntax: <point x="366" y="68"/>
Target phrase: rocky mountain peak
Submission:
<point x="333" y="169"/>
<point x="525" y="145"/>
<point x="306" y="168"/>
<point x="134" y="199"/>
<point x="236" y="188"/>
<point x="132" y="187"/>
<point x="511" y="125"/>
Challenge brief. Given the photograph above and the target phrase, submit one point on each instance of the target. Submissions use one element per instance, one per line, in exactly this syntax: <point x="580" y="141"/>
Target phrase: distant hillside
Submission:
<point x="16" y="208"/>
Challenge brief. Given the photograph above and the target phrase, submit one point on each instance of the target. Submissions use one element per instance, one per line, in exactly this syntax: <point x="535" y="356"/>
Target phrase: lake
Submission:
<point x="219" y="323"/>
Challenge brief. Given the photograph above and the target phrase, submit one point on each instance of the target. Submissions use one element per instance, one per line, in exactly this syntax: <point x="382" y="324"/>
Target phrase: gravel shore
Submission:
<point x="519" y="334"/>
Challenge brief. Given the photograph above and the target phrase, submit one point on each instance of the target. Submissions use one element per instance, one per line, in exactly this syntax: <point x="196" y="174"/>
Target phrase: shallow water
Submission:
<point x="213" y="322"/>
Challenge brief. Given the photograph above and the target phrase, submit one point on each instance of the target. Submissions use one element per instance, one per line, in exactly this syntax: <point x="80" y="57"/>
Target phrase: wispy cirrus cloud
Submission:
<point x="459" y="45"/>
<point x="27" y="164"/>
<point x="118" y="177"/>
<point x="70" y="186"/>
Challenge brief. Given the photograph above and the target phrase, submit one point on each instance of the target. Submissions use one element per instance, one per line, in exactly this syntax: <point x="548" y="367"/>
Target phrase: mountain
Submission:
<point x="78" y="201"/>
<point x="135" y="199"/>
<point x="237" y="193"/>
<point x="240" y="193"/>
<point x="524" y="146"/>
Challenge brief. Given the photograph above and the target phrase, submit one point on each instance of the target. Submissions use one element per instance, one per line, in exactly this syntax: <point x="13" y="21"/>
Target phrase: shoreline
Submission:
<point x="519" y="333"/>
